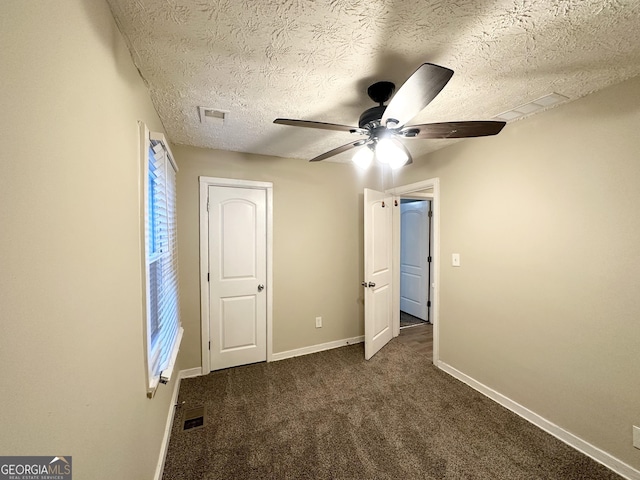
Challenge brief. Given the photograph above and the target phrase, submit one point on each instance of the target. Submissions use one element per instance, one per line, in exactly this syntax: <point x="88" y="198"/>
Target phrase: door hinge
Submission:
<point x="207" y="204"/>
<point x="429" y="259"/>
<point x="428" y="305"/>
<point x="208" y="275"/>
<point x="209" y="344"/>
<point x="430" y="213"/>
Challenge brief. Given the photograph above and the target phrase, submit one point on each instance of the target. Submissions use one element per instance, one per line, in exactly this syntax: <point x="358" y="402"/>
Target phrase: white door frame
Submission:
<point x="205" y="183"/>
<point x="411" y="190"/>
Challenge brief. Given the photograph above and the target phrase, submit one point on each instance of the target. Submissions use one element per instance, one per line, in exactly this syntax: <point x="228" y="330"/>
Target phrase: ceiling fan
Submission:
<point x="384" y="126"/>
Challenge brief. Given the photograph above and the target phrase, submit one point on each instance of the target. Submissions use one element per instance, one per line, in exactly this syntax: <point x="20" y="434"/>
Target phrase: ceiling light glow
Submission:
<point x="363" y="158"/>
<point x="389" y="151"/>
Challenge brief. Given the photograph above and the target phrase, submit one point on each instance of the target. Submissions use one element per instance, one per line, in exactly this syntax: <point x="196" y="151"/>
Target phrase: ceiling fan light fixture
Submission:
<point x="388" y="151"/>
<point x="398" y="162"/>
<point x="392" y="123"/>
<point x="363" y="158"/>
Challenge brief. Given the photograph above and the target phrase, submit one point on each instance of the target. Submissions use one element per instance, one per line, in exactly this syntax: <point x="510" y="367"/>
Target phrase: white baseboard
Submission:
<point x="189" y="373"/>
<point x="316" y="348"/>
<point x="570" y="439"/>
<point x="167" y="429"/>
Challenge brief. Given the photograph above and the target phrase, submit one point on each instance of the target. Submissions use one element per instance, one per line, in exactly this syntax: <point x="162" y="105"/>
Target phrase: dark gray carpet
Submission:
<point x="333" y="415"/>
<point x="407" y="320"/>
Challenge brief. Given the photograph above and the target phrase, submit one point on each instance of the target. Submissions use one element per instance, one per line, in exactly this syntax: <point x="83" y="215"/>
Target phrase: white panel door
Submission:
<point x="237" y="275"/>
<point x="378" y="258"/>
<point x="414" y="250"/>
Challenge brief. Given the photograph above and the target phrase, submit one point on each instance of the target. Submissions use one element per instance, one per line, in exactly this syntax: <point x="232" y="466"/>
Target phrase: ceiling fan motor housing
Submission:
<point x="379" y="92"/>
<point x="373" y="114"/>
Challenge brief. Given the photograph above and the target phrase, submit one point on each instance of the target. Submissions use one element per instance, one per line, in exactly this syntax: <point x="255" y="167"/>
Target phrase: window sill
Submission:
<point x="165" y="375"/>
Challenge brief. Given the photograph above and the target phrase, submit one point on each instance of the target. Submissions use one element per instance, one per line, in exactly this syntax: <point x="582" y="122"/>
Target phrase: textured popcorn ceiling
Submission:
<point x="313" y="60"/>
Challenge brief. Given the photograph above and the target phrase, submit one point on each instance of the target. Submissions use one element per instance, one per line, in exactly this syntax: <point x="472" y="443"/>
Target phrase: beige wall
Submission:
<point x="317" y="245"/>
<point x="545" y="308"/>
<point x="71" y="344"/>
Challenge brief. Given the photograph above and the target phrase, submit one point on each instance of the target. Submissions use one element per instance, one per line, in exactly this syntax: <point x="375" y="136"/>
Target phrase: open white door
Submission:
<point x="378" y="262"/>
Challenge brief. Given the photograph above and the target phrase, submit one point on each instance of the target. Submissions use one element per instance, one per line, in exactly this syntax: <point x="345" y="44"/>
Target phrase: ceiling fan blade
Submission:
<point x="338" y="150"/>
<point x="416" y="93"/>
<point x="453" y="129"/>
<point x="321" y="125"/>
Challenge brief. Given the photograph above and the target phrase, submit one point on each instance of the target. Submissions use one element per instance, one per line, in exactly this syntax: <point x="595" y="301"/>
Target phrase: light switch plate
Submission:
<point x="636" y="436"/>
<point x="455" y="259"/>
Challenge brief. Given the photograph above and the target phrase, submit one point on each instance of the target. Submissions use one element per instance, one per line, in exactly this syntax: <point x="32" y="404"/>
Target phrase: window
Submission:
<point x="162" y="320"/>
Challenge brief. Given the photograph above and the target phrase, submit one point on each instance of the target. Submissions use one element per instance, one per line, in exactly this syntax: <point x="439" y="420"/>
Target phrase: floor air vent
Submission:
<point x="193" y="418"/>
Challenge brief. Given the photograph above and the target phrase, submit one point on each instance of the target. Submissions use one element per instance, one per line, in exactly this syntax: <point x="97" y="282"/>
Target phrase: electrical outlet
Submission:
<point x="636" y="436"/>
<point x="318" y="322"/>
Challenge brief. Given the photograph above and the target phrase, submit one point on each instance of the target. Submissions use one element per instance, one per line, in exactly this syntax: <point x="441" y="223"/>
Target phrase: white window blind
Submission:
<point x="163" y="329"/>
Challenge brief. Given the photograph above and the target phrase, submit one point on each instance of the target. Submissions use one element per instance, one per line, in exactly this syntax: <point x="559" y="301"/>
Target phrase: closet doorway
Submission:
<point x="416" y="274"/>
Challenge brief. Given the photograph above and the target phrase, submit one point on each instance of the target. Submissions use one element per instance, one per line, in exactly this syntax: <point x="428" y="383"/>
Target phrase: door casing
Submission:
<point x="205" y="183"/>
